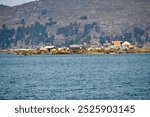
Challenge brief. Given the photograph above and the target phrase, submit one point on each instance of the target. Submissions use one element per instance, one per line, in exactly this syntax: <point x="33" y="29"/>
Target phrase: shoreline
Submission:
<point x="88" y="52"/>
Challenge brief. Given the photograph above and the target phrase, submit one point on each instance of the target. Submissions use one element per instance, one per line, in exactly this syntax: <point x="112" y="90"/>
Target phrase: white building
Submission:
<point x="47" y="48"/>
<point x="126" y="43"/>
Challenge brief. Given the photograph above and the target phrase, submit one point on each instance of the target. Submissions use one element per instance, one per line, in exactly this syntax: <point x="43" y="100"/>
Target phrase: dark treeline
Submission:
<point x="37" y="34"/>
<point x="29" y="36"/>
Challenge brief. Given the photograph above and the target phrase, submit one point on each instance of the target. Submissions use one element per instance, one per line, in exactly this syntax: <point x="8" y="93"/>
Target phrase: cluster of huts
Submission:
<point x="119" y="45"/>
<point x="115" y="46"/>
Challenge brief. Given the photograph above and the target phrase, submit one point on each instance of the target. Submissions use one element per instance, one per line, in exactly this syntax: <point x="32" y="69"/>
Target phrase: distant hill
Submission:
<point x="65" y="22"/>
<point x="3" y="7"/>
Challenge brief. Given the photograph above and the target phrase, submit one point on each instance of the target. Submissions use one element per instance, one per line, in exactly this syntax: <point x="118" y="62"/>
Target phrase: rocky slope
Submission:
<point x="107" y="19"/>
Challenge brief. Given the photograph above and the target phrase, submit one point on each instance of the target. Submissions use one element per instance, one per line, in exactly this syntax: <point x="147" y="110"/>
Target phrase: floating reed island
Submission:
<point x="106" y="48"/>
<point x="75" y="51"/>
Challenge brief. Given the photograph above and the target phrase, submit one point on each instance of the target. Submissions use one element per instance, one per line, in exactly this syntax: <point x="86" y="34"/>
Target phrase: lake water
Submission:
<point x="104" y="76"/>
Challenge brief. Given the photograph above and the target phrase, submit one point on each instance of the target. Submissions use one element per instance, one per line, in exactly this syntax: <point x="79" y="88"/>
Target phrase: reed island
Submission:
<point x="108" y="48"/>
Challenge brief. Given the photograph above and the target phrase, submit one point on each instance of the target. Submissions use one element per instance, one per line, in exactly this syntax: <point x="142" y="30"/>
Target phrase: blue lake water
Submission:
<point x="112" y="76"/>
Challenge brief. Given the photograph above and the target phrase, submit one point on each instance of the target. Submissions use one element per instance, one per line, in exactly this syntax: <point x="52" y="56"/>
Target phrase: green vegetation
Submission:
<point x="84" y="17"/>
<point x="63" y="23"/>
<point x="74" y="33"/>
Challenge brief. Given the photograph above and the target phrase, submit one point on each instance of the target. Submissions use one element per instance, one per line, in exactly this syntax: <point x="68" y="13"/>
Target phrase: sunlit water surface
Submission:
<point x="112" y="76"/>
